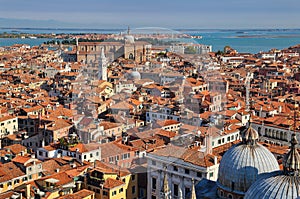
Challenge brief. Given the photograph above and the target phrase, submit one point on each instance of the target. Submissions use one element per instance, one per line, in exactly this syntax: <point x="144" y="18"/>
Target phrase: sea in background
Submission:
<point x="247" y="40"/>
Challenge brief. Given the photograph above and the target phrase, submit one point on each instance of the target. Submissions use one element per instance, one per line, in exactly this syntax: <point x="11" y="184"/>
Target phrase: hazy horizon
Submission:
<point x="230" y="14"/>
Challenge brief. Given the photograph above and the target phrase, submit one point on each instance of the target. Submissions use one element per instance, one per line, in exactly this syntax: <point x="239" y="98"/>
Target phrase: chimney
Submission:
<point x="208" y="144"/>
<point x="280" y="109"/>
<point x="215" y="160"/>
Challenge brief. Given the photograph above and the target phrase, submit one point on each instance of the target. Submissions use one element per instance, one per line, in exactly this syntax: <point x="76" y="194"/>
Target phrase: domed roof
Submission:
<point x="129" y="39"/>
<point x="275" y="186"/>
<point x="243" y="162"/>
<point x="280" y="184"/>
<point x="134" y="75"/>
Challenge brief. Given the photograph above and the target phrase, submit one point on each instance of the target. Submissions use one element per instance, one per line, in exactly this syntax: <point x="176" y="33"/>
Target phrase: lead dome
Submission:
<point x="134" y="75"/>
<point x="280" y="184"/>
<point x="243" y="163"/>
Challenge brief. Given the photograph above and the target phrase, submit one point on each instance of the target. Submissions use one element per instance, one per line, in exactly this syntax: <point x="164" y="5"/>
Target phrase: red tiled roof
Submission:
<point x="111" y="183"/>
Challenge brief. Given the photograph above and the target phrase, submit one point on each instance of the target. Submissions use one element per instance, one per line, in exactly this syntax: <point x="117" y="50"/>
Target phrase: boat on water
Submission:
<point x="32" y="37"/>
<point x="197" y="37"/>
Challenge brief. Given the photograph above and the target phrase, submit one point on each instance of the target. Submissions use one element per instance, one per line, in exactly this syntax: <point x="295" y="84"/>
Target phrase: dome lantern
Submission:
<point x="249" y="135"/>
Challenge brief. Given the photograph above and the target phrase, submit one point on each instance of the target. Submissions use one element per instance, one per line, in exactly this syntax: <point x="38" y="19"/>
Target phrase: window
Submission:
<point x="187" y="191"/>
<point x="114" y="193"/>
<point x="97" y="153"/>
<point x="121" y="190"/>
<point x="199" y="174"/>
<point x="84" y="157"/>
<point x="153" y="162"/>
<point x="211" y="174"/>
<point x="186" y="171"/>
<point x="154" y="183"/>
<point x="222" y="193"/>
<point x="175" y="188"/>
<point x="175" y="168"/>
<point x="133" y="177"/>
<point x="133" y="190"/>
<point x="105" y="193"/>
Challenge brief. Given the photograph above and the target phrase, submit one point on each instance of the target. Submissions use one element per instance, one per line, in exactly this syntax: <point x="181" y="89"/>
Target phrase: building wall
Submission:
<point x="179" y="173"/>
<point x="9" y="126"/>
<point x="11" y="184"/>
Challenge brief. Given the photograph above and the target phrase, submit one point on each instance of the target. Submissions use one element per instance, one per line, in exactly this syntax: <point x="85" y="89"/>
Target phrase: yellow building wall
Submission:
<point x="115" y="192"/>
<point x="118" y="195"/>
<point x="6" y="187"/>
<point x="129" y="183"/>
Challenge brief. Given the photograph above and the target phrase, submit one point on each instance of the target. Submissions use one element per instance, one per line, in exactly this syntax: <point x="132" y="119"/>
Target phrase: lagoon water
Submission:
<point x="247" y="40"/>
<point x="252" y="41"/>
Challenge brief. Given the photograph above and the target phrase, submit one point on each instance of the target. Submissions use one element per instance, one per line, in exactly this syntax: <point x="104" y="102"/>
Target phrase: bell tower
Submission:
<point x="102" y="68"/>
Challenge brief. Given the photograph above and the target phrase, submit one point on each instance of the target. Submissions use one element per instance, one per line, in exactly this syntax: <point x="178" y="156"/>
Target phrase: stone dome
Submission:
<point x="280" y="184"/>
<point x="243" y="162"/>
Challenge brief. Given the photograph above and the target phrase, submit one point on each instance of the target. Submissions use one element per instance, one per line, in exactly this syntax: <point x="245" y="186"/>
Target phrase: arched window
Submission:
<point x="281" y="135"/>
<point x="277" y="135"/>
<point x="285" y="136"/>
<point x="230" y="196"/>
<point x="131" y="56"/>
<point x="221" y="193"/>
<point x="259" y="130"/>
<point x="273" y="134"/>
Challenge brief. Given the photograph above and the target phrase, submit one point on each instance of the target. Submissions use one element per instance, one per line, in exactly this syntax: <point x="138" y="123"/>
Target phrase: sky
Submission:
<point x="159" y="13"/>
